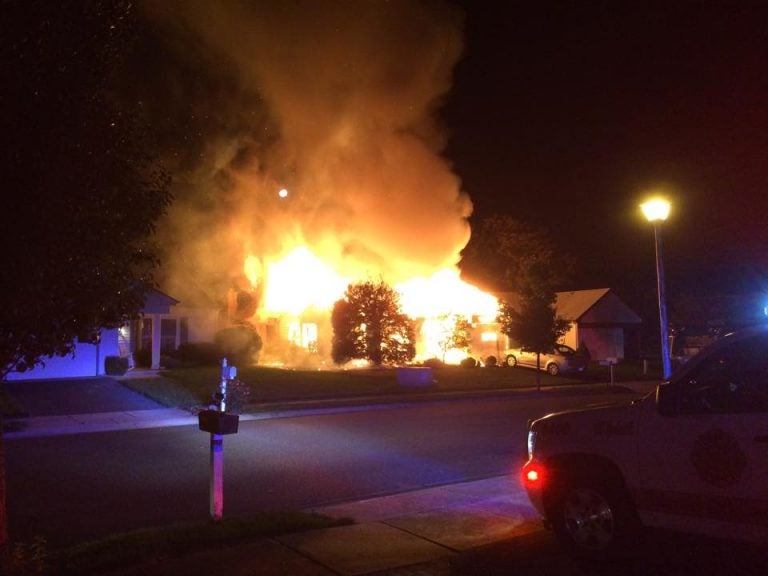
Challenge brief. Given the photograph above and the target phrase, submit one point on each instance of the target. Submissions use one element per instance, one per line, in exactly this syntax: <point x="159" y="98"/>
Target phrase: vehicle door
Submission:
<point x="528" y="357"/>
<point x="703" y="468"/>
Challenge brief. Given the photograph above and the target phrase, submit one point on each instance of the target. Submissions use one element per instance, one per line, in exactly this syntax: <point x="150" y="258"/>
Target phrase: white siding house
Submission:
<point x="88" y="358"/>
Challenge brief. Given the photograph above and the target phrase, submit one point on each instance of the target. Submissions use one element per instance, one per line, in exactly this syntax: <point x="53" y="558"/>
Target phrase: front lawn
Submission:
<point x="192" y="387"/>
<point x="129" y="549"/>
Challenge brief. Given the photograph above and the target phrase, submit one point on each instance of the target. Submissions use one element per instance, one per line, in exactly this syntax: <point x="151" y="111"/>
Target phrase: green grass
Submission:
<point x="192" y="387"/>
<point x="132" y="548"/>
<point x="180" y="392"/>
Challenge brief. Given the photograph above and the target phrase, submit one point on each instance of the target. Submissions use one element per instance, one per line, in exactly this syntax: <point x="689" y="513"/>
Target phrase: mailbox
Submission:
<point x="217" y="422"/>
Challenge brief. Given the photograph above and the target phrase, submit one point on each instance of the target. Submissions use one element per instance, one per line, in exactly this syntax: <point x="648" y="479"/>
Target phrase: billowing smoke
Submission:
<point x="337" y="102"/>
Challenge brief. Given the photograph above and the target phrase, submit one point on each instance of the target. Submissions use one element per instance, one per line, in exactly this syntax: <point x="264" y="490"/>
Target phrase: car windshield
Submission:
<point x="564" y="350"/>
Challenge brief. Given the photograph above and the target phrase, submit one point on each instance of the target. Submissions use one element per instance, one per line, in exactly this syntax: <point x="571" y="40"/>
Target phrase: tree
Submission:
<point x="456" y="333"/>
<point x="368" y="324"/>
<point x="533" y="322"/>
<point x="239" y="343"/>
<point x="502" y="249"/>
<point x="82" y="186"/>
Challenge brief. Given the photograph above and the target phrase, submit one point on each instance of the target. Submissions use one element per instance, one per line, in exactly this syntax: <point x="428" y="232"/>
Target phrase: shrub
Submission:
<point x="115" y="365"/>
<point x="433" y="363"/>
<point x="238" y="396"/>
<point x="198" y="354"/>
<point x="143" y="357"/>
<point x="240" y="344"/>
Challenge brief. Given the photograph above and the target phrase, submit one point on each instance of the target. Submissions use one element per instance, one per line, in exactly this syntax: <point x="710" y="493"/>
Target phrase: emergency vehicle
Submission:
<point x="691" y="456"/>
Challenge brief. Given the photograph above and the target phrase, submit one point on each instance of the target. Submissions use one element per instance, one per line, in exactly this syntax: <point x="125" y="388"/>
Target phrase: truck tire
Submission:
<point x="511" y="361"/>
<point x="593" y="517"/>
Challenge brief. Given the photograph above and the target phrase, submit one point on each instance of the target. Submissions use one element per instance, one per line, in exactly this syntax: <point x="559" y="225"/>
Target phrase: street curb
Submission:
<point x="43" y="426"/>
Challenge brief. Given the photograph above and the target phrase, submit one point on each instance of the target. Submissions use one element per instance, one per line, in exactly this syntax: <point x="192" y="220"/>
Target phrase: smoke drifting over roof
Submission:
<point x="335" y="101"/>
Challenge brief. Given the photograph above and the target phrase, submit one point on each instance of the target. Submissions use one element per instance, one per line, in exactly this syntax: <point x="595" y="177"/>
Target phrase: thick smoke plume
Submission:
<point x="335" y="101"/>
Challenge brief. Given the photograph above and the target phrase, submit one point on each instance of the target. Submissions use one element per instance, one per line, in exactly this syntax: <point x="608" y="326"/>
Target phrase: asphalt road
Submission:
<point x="72" y="487"/>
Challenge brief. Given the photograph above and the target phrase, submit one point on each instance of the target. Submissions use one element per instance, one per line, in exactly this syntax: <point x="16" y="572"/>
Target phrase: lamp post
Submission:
<point x="656" y="211"/>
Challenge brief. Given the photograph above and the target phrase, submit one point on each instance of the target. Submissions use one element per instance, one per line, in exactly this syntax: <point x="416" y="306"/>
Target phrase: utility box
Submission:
<point x="217" y="422"/>
<point x="415" y="376"/>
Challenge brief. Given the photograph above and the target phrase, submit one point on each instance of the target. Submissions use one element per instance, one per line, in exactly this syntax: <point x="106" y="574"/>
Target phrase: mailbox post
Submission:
<point x="611" y="362"/>
<point x="218" y="423"/>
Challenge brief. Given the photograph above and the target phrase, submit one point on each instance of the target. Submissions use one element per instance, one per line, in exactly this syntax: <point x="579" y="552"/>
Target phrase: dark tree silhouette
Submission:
<point x="532" y="321"/>
<point x="82" y="190"/>
<point x="368" y="324"/>
<point x="501" y="249"/>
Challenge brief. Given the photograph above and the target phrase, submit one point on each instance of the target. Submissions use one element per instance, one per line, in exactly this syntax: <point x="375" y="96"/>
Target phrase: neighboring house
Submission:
<point x="599" y="320"/>
<point x="88" y="357"/>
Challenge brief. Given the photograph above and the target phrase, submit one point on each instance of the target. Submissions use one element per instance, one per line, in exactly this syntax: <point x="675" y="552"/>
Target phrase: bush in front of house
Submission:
<point x="433" y="363"/>
<point x="240" y="343"/>
<point x="115" y="365"/>
<point x="197" y="354"/>
<point x="143" y="358"/>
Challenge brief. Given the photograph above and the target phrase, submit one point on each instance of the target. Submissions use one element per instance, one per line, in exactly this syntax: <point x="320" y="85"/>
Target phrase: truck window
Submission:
<point x="734" y="380"/>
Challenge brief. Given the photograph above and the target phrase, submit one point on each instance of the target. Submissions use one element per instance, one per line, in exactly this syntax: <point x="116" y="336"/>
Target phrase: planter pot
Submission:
<point x="217" y="422"/>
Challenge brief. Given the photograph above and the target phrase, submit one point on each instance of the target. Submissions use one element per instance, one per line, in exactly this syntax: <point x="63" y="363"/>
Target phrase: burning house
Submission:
<point x="312" y="159"/>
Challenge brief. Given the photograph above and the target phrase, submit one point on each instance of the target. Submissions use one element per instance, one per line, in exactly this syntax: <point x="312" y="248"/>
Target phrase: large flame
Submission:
<point x="301" y="283"/>
<point x="445" y="294"/>
<point x="296" y="283"/>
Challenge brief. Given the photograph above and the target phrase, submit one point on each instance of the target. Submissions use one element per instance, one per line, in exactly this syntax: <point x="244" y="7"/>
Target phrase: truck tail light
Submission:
<point x="533" y="474"/>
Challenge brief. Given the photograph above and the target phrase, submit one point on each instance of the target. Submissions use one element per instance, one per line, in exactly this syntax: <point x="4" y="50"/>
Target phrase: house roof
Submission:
<point x="573" y="305"/>
<point x="596" y="305"/>
<point x="157" y="302"/>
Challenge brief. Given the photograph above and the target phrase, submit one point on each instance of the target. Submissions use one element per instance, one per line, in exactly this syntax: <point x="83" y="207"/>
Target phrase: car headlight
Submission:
<point x="531" y="443"/>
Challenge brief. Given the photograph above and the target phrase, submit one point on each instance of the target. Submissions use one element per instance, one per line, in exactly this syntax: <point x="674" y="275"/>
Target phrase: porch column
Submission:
<point x="156" y="335"/>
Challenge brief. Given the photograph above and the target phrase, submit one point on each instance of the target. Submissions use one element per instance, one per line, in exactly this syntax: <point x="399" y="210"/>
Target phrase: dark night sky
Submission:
<point x="564" y="113"/>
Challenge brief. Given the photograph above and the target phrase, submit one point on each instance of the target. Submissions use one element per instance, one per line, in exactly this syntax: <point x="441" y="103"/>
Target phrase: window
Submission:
<point x="167" y="334"/>
<point x="732" y="380"/>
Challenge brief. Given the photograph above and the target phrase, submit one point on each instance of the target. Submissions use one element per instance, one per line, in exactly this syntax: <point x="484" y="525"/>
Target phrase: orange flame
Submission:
<point x="300" y="282"/>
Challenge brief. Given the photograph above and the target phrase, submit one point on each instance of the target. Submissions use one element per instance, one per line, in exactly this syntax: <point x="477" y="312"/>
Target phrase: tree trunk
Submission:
<point x="538" y="371"/>
<point x="3" y="515"/>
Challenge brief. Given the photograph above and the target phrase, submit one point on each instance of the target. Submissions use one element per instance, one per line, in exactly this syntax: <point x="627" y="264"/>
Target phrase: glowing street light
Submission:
<point x="656" y="211"/>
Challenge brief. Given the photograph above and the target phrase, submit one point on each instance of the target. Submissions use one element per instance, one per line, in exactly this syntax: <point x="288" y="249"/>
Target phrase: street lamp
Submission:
<point x="656" y="211"/>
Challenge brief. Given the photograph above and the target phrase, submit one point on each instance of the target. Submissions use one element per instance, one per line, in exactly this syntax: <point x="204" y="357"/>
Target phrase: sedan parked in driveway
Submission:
<point x="561" y="358"/>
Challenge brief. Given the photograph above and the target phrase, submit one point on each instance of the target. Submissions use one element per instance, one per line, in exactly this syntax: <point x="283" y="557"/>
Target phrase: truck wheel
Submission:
<point x="594" y="519"/>
<point x="511" y="361"/>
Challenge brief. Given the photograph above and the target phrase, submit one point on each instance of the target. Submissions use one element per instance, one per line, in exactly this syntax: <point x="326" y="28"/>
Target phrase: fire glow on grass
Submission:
<point x="301" y="283"/>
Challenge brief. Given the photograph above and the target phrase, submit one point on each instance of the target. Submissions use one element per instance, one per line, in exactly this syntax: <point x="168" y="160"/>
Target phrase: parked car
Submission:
<point x="690" y="457"/>
<point x="561" y="358"/>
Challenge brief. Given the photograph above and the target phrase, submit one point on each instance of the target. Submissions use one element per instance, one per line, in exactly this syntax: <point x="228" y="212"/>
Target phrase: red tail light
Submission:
<point x="533" y="474"/>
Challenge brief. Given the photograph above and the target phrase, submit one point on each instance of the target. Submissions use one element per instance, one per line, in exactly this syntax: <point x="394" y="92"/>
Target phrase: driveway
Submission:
<point x="76" y="396"/>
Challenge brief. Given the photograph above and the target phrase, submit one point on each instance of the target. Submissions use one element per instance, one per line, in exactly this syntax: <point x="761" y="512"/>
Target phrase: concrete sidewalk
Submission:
<point x="414" y="533"/>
